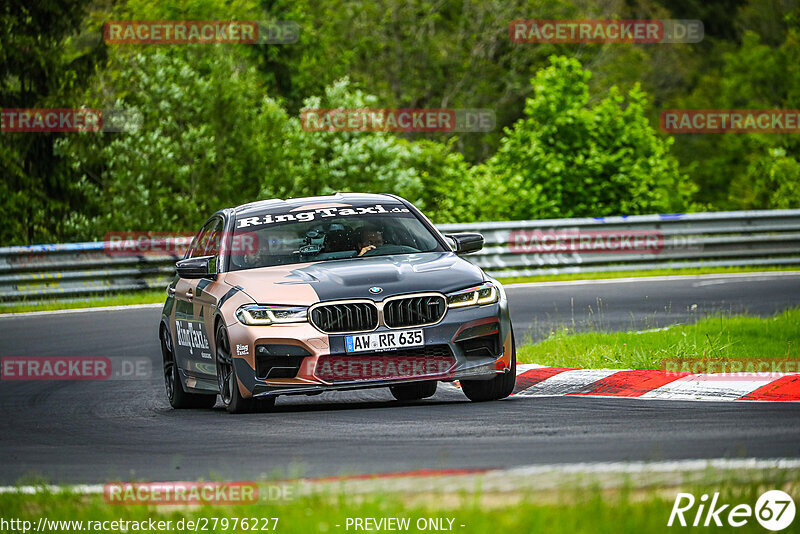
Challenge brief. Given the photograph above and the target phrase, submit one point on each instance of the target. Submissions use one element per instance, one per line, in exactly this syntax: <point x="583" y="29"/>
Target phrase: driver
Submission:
<point x="249" y="258"/>
<point x="249" y="252"/>
<point x="370" y="238"/>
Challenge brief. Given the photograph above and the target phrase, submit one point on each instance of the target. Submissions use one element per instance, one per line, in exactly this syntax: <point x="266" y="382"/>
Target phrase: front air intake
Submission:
<point x="414" y="311"/>
<point x="346" y="317"/>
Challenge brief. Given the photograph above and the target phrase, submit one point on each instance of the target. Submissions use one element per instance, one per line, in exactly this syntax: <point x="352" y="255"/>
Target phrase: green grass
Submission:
<point x="118" y="299"/>
<point x="731" y="337"/>
<point x="615" y="511"/>
<point x="656" y="272"/>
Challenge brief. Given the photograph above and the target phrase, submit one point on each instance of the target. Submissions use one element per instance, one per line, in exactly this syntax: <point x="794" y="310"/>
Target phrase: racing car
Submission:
<point x="340" y="292"/>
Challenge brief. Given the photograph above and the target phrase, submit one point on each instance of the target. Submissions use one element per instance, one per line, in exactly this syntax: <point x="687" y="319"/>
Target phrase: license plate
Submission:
<point x="384" y="341"/>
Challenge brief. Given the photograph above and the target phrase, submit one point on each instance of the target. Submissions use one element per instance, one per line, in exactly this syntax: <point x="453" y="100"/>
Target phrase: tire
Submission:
<point x="178" y="397"/>
<point x="226" y="377"/>
<point x="496" y="388"/>
<point x="414" y="391"/>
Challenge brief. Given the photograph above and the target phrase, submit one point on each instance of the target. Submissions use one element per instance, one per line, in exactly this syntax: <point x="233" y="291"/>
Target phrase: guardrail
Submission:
<point x="555" y="246"/>
<point x="513" y="248"/>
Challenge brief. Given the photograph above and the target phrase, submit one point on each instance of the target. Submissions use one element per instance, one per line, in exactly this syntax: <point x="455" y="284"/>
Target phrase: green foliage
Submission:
<point x="314" y="163"/>
<point x="413" y="53"/>
<point x="220" y="123"/>
<point x="568" y="158"/>
<point x="559" y="501"/>
<point x="728" y="338"/>
<point x="39" y="67"/>
<point x="745" y="170"/>
<point x="772" y="180"/>
<point x="207" y="138"/>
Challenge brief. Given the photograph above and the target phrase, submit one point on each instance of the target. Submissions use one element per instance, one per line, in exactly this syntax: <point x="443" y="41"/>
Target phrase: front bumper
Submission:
<point x="478" y="339"/>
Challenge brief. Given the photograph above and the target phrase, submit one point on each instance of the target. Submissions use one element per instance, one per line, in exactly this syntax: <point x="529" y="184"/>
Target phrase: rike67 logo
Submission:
<point x="774" y="510"/>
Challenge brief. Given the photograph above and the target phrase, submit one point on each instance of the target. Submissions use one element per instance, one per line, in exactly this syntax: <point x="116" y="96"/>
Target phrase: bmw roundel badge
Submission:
<point x="375" y="290"/>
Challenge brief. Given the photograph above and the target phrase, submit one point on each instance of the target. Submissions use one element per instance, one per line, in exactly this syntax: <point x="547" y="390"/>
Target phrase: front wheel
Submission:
<point x="228" y="384"/>
<point x="496" y="388"/>
<point x="414" y="391"/>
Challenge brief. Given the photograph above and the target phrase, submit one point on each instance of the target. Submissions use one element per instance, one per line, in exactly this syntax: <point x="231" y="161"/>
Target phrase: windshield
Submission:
<point x="329" y="233"/>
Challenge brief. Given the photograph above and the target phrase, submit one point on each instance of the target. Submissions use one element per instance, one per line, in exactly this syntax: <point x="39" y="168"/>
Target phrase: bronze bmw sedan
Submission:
<point x="348" y="291"/>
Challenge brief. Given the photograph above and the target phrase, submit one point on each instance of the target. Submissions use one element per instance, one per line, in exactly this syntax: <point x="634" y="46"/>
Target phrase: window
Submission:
<point x="201" y="241"/>
<point x="325" y="234"/>
<point x="212" y="239"/>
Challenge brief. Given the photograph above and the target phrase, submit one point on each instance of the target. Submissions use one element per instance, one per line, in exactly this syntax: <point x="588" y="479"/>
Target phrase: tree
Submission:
<point x="568" y="158"/>
<point x="39" y="67"/>
<point x="423" y="53"/>
<point x="208" y="137"/>
<point x="320" y="163"/>
<point x="772" y="180"/>
<point x="731" y="169"/>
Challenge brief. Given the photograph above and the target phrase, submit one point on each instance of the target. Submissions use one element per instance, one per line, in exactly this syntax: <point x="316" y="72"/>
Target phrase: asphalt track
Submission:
<point x="99" y="431"/>
<point x="613" y="305"/>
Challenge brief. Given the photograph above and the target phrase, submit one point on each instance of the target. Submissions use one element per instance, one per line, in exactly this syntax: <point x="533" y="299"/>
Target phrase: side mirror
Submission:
<point x="200" y="267"/>
<point x="466" y="243"/>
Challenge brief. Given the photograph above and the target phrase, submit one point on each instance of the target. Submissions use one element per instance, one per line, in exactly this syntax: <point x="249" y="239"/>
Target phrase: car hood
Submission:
<point x="352" y="278"/>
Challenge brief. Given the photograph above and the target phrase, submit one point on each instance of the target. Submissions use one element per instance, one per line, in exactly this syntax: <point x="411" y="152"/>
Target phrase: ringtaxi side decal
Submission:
<point x="307" y="216"/>
<point x="190" y="337"/>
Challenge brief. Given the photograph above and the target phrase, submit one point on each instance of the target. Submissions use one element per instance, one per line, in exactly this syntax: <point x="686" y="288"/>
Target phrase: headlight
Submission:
<point x="256" y="314"/>
<point x="473" y="296"/>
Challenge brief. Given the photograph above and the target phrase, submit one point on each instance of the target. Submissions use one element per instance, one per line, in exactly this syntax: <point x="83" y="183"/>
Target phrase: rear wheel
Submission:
<point x="496" y="388"/>
<point x="414" y="391"/>
<point x="178" y="397"/>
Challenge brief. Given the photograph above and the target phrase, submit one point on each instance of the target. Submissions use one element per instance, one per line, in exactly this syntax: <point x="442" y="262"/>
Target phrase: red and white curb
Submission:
<point x="539" y="381"/>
